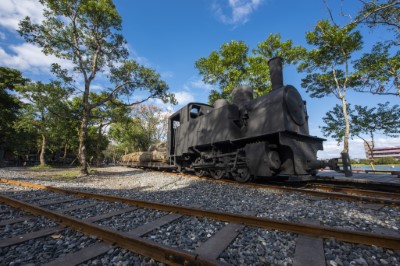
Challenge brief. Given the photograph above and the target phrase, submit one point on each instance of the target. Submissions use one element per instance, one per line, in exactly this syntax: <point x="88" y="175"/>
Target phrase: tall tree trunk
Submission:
<point x="98" y="146"/>
<point x="371" y="162"/>
<point x="43" y="151"/>
<point x="347" y="122"/>
<point x="2" y="151"/>
<point x="65" y="153"/>
<point x="82" y="142"/>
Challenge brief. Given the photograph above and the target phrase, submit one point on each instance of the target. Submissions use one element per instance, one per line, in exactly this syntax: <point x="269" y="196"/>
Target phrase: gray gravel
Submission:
<point x="65" y="205"/>
<point x="346" y="254"/>
<point x="121" y="257"/>
<point x="8" y="212"/>
<point x="27" y="226"/>
<point x="255" y="246"/>
<point x="186" y="233"/>
<point x="130" y="220"/>
<point x="42" y="250"/>
<point x="99" y="209"/>
<point x="234" y="198"/>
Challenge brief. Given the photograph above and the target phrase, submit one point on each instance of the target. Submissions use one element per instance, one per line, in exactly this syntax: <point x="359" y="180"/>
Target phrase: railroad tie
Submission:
<point x="16" y="220"/>
<point x="110" y="214"/>
<point x="146" y="228"/>
<point x="29" y="236"/>
<point x="77" y="207"/>
<point x="62" y="200"/>
<point x="309" y="250"/>
<point x="82" y="255"/>
<point x="215" y="245"/>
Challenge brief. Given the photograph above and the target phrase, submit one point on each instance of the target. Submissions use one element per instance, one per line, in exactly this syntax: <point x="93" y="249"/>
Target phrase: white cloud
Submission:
<point x="12" y="11"/>
<point x="183" y="97"/>
<point x="28" y="57"/>
<point x="356" y="146"/>
<point x="197" y="84"/>
<point x="239" y="11"/>
<point x="135" y="56"/>
<point x="167" y="74"/>
<point x="97" y="87"/>
<point x="2" y="36"/>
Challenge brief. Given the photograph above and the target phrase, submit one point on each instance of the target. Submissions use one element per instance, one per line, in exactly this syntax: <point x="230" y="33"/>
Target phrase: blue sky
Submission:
<point x="169" y="36"/>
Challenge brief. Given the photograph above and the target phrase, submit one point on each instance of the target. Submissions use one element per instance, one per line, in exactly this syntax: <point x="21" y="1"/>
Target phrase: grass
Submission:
<point x="362" y="164"/>
<point x="53" y="173"/>
<point x="56" y="173"/>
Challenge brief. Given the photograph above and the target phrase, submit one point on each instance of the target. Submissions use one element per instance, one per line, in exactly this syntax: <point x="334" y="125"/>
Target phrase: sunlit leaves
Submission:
<point x="231" y="66"/>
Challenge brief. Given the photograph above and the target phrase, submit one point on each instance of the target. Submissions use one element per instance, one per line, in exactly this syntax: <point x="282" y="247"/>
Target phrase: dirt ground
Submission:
<point x="66" y="173"/>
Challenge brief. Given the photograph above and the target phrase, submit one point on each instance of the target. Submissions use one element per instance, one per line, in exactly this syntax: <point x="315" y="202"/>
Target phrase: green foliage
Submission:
<point x="226" y="68"/>
<point x="379" y="70"/>
<point x="378" y="13"/>
<point x="380" y="161"/>
<point x="231" y="66"/>
<point x="146" y="125"/>
<point x="328" y="65"/>
<point x="87" y="33"/>
<point x="9" y="104"/>
<point x="334" y="123"/>
<point x="383" y="119"/>
<point x="9" y="108"/>
<point x="41" y="115"/>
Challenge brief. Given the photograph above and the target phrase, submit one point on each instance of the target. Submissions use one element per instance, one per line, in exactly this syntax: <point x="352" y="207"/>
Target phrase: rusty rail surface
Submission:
<point x="165" y="254"/>
<point x="362" y="192"/>
<point x="303" y="229"/>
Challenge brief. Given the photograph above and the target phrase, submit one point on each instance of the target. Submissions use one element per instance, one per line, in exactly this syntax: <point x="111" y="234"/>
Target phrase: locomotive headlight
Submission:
<point x="295" y="105"/>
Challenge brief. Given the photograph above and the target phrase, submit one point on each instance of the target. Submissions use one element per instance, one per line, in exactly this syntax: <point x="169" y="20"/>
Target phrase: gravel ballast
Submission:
<point x="253" y="246"/>
<point x="45" y="249"/>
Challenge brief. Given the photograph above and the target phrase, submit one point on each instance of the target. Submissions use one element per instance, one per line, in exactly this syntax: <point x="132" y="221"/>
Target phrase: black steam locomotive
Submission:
<point x="262" y="137"/>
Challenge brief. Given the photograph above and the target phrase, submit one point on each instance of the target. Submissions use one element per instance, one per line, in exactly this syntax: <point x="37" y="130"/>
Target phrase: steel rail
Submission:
<point x="390" y="242"/>
<point x="332" y="195"/>
<point x="165" y="254"/>
<point x="357" y="191"/>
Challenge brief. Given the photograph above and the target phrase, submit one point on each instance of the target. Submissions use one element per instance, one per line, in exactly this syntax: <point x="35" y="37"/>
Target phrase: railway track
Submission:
<point x="207" y="253"/>
<point x="329" y="189"/>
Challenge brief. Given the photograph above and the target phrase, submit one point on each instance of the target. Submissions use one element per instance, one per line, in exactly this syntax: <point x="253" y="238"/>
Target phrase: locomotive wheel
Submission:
<point x="199" y="172"/>
<point x="241" y="175"/>
<point x="217" y="173"/>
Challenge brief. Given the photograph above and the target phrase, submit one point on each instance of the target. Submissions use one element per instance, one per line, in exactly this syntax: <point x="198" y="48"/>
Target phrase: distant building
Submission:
<point x="382" y="152"/>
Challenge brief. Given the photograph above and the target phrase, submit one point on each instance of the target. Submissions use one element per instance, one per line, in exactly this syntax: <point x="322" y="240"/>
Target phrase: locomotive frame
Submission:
<point x="266" y="136"/>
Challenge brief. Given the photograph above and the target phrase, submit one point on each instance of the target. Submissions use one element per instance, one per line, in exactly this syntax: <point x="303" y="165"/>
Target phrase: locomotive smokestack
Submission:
<point x="275" y="72"/>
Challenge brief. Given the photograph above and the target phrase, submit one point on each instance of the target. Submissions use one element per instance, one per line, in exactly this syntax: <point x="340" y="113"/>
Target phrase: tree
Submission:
<point x="146" y="125"/>
<point x="103" y="116"/>
<point x="9" y="106"/>
<point x="41" y="114"/>
<point x="328" y="65"/>
<point x="379" y="71"/>
<point x="231" y="66"/>
<point x="87" y="33"/>
<point x="383" y="119"/>
<point x="271" y="47"/>
<point x="226" y="68"/>
<point x="378" y="13"/>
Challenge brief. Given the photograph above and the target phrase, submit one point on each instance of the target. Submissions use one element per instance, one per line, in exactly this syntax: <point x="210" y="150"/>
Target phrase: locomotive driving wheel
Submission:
<point x="217" y="173"/>
<point x="241" y="175"/>
<point x="199" y="172"/>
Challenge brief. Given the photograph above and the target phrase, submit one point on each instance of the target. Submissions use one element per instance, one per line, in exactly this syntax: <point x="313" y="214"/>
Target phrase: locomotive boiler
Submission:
<point x="263" y="137"/>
